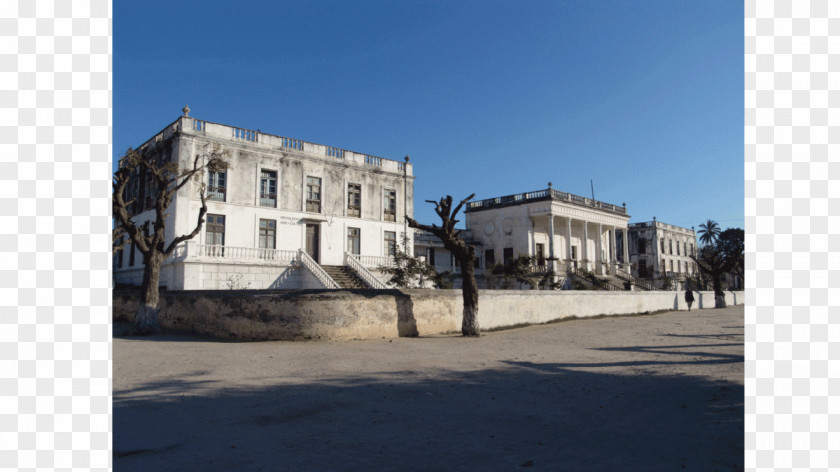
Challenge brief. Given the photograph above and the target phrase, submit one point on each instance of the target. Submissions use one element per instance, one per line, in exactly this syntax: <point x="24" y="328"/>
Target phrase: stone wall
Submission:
<point x="370" y="314"/>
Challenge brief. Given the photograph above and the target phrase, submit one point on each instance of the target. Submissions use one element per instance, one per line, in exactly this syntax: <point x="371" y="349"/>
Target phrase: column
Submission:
<point x="626" y="250"/>
<point x="599" y="256"/>
<point x="551" y="242"/>
<point x="568" y="243"/>
<point x="585" y="245"/>
<point x="613" y="258"/>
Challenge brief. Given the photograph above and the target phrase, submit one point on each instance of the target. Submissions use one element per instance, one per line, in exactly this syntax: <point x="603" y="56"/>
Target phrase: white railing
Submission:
<point x="239" y="253"/>
<point x="352" y="261"/>
<point x="242" y="134"/>
<point x="541" y="194"/>
<point x="376" y="261"/>
<point x="317" y="270"/>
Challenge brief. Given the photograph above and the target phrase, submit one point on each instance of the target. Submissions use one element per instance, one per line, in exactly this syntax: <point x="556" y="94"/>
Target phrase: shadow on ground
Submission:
<point x="524" y="416"/>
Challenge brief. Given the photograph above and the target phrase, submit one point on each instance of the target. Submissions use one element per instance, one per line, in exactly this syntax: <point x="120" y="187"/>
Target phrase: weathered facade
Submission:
<point x="281" y="212"/>
<point x="659" y="250"/>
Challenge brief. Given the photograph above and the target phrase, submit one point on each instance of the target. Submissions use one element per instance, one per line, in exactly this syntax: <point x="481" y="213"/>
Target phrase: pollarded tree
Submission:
<point x="713" y="263"/>
<point x="160" y="179"/>
<point x="464" y="252"/>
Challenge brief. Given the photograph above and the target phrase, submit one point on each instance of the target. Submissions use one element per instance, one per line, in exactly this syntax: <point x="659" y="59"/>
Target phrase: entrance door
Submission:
<point x="312" y="241"/>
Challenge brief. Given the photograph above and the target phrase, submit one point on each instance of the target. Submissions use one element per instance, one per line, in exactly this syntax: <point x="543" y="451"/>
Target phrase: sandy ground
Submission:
<point x="658" y="392"/>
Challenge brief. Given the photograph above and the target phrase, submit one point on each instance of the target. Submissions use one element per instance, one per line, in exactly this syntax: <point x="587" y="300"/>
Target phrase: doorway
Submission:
<point x="312" y="238"/>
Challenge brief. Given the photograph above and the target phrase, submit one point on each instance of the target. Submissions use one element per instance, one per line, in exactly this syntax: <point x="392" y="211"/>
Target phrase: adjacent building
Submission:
<point x="280" y="216"/>
<point x="563" y="231"/>
<point x="659" y="250"/>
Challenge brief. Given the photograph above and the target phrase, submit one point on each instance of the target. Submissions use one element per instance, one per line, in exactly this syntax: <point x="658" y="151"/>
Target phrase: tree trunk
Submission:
<point x="720" y="299"/>
<point x="469" y="290"/>
<point x="146" y="318"/>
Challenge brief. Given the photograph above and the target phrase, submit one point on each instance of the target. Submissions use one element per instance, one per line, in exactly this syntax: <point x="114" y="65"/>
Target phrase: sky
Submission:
<point x="642" y="101"/>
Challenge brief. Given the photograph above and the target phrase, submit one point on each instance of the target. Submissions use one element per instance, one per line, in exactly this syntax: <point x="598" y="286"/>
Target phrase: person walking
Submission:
<point x="689" y="297"/>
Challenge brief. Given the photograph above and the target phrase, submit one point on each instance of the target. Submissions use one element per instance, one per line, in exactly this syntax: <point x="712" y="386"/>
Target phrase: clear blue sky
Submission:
<point x="487" y="97"/>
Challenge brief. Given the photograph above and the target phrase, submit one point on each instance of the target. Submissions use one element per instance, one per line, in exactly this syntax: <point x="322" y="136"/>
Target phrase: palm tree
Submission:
<point x="709" y="232"/>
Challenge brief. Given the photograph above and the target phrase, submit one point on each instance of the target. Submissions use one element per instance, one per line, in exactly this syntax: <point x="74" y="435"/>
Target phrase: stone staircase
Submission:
<point x="345" y="277"/>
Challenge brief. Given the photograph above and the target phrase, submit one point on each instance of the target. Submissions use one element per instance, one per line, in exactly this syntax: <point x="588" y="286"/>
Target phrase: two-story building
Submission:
<point x="283" y="215"/>
<point x="563" y="231"/>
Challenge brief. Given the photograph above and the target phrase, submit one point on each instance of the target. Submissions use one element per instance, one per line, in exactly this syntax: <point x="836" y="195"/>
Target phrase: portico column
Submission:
<point x="613" y="258"/>
<point x="599" y="256"/>
<point x="626" y="250"/>
<point x="568" y="244"/>
<point x="551" y="242"/>
<point x="585" y="245"/>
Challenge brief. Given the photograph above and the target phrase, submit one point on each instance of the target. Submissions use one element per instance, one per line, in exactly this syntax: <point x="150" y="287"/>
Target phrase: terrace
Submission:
<point x="547" y="194"/>
<point x="193" y="126"/>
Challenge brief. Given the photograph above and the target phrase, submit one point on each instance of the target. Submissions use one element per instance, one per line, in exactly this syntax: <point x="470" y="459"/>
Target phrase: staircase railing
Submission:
<point x="352" y="261"/>
<point x="643" y="284"/>
<point x="317" y="270"/>
<point x="601" y="284"/>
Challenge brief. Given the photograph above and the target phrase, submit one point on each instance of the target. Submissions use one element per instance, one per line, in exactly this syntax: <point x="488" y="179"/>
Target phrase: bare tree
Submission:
<point x="464" y="252"/>
<point x="161" y="180"/>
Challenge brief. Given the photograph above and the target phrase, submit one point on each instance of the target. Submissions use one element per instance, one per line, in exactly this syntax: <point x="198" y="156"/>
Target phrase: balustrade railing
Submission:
<point x="245" y="134"/>
<point x="375" y="261"/>
<point x="317" y="270"/>
<point x="373" y="160"/>
<point x="335" y="152"/>
<point x="541" y="194"/>
<point x="239" y="253"/>
<point x="352" y="261"/>
<point x="643" y="284"/>
<point x="595" y="281"/>
<point x="295" y="144"/>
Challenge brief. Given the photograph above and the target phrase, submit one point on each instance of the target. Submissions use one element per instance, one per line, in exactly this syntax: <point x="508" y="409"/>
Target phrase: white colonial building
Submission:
<point x="285" y="214"/>
<point x="659" y="250"/>
<point x="565" y="232"/>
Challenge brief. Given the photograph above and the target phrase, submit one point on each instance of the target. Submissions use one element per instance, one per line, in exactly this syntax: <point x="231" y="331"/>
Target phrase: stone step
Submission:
<point x="344" y="277"/>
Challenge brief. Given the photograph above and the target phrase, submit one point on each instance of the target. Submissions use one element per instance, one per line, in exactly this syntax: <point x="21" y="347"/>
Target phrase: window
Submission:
<point x="678" y="248"/>
<point x="507" y="254"/>
<point x="313" y="194"/>
<point x="268" y="234"/>
<point x="679" y="263"/>
<point x="354" y="241"/>
<point x="268" y="188"/>
<point x="540" y="254"/>
<point x="489" y="258"/>
<point x="662" y="267"/>
<point x="390" y="205"/>
<point x="131" y="255"/>
<point x="670" y="246"/>
<point x="662" y="245"/>
<point x="672" y="265"/>
<point x="390" y="243"/>
<point x="432" y="256"/>
<point x="354" y="200"/>
<point x="642" y="245"/>
<point x="684" y="249"/>
<point x="692" y="248"/>
<point x="215" y="234"/>
<point x="216" y="184"/>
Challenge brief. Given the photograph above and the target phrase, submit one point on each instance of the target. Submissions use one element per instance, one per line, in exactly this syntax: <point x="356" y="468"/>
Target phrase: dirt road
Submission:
<point x="658" y="392"/>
